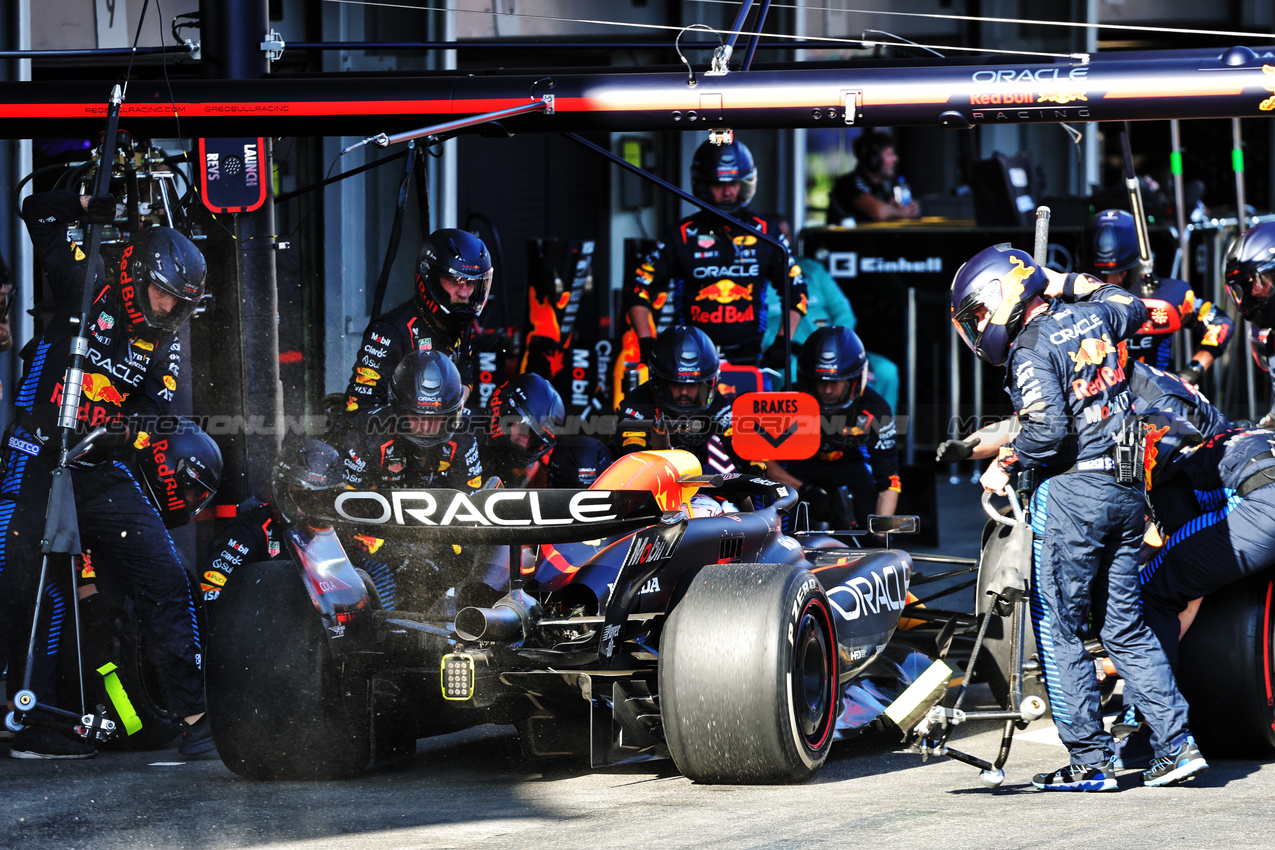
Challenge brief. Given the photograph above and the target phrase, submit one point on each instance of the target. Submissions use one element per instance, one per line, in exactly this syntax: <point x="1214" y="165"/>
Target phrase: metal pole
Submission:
<point x="1179" y="200"/>
<point x="910" y="440"/>
<point x="953" y="394"/>
<point x="1237" y="165"/>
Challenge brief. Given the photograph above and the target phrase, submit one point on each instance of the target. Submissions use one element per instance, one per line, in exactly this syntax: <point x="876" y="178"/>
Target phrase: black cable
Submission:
<point x="296" y="193"/>
<point x="396" y="231"/>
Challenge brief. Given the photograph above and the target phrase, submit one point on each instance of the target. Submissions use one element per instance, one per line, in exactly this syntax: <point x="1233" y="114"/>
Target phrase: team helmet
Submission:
<point x="527" y="406"/>
<point x="163" y="258"/>
<point x="181" y="471"/>
<point x="427" y="394"/>
<point x="728" y="163"/>
<point x="1110" y="243"/>
<point x="304" y="464"/>
<point x="459" y="255"/>
<point x="684" y="356"/>
<point x="833" y="353"/>
<point x="578" y="461"/>
<point x="999" y="283"/>
<point x="1251" y="262"/>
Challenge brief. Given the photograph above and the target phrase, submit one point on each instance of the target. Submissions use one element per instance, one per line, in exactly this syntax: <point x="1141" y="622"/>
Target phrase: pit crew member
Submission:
<point x="1109" y="251"/>
<point x="527" y="414"/>
<point x="1250" y="275"/>
<point x="1065" y="374"/>
<point x="453" y="280"/>
<point x="857" y="450"/>
<point x="131" y="371"/>
<point x="716" y="273"/>
<point x="682" y="391"/>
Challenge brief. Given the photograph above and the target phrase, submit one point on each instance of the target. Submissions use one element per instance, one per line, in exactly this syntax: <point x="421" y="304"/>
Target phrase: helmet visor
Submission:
<point x="462" y="294"/>
<point x="684" y="397"/>
<point x="164" y="310"/>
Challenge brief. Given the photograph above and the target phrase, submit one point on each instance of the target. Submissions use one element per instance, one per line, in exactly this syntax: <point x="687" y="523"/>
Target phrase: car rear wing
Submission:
<point x="496" y="517"/>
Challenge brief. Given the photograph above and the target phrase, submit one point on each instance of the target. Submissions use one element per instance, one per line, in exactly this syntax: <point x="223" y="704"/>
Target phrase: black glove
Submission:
<point x="952" y="451"/>
<point x="101" y="210"/>
<point x="1192" y="373"/>
<point x="646" y="347"/>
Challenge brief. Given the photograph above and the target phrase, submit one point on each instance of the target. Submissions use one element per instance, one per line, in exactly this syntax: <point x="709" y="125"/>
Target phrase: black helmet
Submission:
<point x="181" y="469"/>
<point x="1110" y="243"/>
<point x="684" y="356"/>
<point x="833" y="353"/>
<point x="304" y="464"/>
<point x="426" y="390"/>
<point x="1251" y="263"/>
<point x="453" y="254"/>
<point x="528" y="405"/>
<point x="578" y="461"/>
<point x="1000" y="282"/>
<point x="164" y="258"/>
<point x="728" y="163"/>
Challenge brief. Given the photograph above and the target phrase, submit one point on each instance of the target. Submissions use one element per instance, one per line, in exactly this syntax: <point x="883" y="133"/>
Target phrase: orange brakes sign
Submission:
<point x="775" y="426"/>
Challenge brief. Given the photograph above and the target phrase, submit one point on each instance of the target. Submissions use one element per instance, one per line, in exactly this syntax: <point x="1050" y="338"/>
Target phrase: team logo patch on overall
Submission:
<point x="105" y="321"/>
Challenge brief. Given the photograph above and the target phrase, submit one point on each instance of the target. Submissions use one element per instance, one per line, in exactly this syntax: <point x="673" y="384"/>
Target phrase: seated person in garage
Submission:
<point x="717" y="274"/>
<point x="867" y="193"/>
<point x="1109" y="252"/>
<point x="857" y="451"/>
<point x="526" y="415"/>
<point x="682" y="392"/>
<point x="453" y="279"/>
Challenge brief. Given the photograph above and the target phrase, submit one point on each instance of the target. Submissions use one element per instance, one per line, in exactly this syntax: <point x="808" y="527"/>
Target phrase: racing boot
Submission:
<point x="1186" y="761"/>
<point x="197" y="740"/>
<point x="37" y="742"/>
<point x="1078" y="777"/>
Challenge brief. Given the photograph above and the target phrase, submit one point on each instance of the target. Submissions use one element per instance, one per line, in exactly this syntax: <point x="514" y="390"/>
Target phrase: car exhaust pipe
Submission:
<point x="507" y="621"/>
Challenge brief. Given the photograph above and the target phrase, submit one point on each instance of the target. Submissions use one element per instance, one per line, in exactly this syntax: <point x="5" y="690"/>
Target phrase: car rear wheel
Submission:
<point x="1226" y="666"/>
<point x="748" y="675"/>
<point x="280" y="706"/>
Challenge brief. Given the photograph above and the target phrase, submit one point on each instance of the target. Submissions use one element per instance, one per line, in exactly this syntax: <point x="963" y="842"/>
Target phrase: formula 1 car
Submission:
<point x="645" y="627"/>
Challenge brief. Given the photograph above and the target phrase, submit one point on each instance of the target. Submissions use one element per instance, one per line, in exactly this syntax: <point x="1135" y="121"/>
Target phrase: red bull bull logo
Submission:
<point x="1152" y="450"/>
<point x="1012" y="289"/>
<point x="98" y="387"/>
<point x="1092" y="352"/>
<point x="725" y="292"/>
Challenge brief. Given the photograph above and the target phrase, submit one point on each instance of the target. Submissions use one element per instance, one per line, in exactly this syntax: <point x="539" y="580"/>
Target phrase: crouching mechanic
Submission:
<point x="1250" y="278"/>
<point x="526" y="415"/>
<point x="682" y="392"/>
<point x="1216" y="507"/>
<point x="857" y="451"/>
<point x="423" y="439"/>
<point x="131" y="370"/>
<point x="1065" y="374"/>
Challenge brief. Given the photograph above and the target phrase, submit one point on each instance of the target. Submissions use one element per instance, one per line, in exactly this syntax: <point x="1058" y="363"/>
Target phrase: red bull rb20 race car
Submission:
<point x="647" y="626"/>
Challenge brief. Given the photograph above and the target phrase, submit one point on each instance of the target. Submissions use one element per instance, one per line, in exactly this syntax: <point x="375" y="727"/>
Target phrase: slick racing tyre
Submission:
<point x="280" y="706"/>
<point x="748" y="675"/>
<point x="1226" y="666"/>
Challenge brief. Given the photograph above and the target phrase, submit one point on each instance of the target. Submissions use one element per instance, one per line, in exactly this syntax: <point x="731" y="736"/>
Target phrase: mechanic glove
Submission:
<point x="952" y="451"/>
<point x="1267" y="421"/>
<point x="101" y="210"/>
<point x="1192" y="373"/>
<point x="646" y="347"/>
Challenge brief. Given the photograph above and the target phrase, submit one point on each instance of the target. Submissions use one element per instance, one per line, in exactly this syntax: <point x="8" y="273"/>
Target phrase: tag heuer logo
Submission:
<point x="105" y="322"/>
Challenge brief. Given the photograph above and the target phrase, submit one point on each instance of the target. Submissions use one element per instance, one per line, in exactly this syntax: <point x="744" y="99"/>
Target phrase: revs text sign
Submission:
<point x="775" y="426"/>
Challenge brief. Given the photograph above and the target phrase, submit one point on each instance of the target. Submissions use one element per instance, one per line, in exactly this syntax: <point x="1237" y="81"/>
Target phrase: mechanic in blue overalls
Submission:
<point x="1216" y="509"/>
<point x="1109" y="251"/>
<point x="1250" y="278"/>
<point x="1065" y="376"/>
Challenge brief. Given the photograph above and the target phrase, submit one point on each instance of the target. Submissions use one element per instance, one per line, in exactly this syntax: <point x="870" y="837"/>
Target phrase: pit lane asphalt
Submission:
<point x="474" y="790"/>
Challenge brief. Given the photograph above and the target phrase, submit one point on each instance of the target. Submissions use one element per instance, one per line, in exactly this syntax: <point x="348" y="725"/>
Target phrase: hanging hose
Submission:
<point x="396" y="231"/>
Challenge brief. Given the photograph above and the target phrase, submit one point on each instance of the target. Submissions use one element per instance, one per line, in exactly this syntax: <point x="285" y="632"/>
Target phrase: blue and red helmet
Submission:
<point x="998" y="284"/>
<point x="684" y="355"/>
<point x="529" y="405"/>
<point x="458" y="255"/>
<point x="1167" y="435"/>
<point x="1110" y="243"/>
